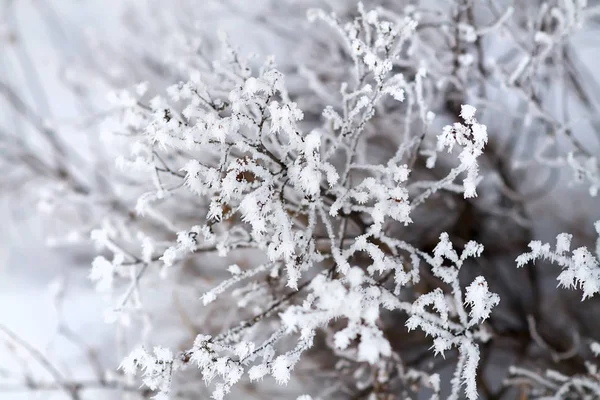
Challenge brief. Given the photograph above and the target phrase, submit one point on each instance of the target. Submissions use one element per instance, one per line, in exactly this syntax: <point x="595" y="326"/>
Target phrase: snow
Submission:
<point x="480" y="299"/>
<point x="25" y="290"/>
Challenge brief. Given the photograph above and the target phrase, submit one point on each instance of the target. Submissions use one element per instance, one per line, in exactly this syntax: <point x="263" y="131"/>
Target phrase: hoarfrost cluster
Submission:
<point x="232" y="139"/>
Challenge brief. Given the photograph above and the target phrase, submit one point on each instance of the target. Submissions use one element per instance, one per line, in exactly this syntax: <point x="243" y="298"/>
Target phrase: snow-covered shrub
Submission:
<point x="230" y="145"/>
<point x="580" y="270"/>
<point x="312" y="208"/>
